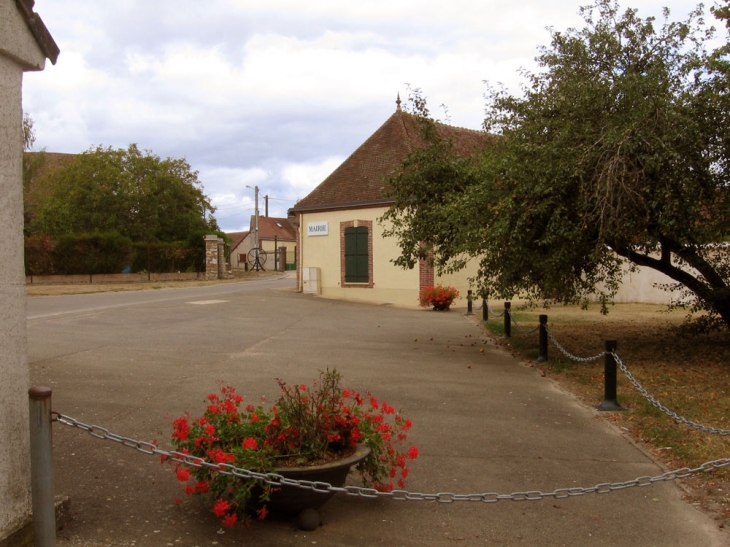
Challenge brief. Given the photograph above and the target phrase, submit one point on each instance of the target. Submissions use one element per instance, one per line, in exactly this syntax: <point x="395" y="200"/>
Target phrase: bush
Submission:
<point x="39" y="255"/>
<point x="163" y="257"/>
<point x="92" y="254"/>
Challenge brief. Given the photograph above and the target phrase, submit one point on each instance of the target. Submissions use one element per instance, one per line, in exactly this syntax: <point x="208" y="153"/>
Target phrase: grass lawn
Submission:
<point x="689" y="374"/>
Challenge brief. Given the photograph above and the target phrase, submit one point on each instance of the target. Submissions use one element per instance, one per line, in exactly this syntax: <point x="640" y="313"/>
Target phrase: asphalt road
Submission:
<point x="48" y="306"/>
<point x="483" y="421"/>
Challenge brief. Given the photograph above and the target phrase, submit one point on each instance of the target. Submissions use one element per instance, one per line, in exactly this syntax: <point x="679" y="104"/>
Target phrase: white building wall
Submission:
<point x="18" y="52"/>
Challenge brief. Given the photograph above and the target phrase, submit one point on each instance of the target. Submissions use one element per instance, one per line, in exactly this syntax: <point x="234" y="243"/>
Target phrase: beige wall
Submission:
<point x="18" y="52"/>
<point x="267" y="245"/>
<point x="391" y="284"/>
<point x="639" y="286"/>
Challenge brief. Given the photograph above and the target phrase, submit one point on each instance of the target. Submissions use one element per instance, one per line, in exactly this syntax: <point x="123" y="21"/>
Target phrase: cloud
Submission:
<point x="273" y="93"/>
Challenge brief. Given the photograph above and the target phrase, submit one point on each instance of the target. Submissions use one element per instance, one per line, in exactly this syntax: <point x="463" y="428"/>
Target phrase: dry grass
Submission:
<point x="686" y="373"/>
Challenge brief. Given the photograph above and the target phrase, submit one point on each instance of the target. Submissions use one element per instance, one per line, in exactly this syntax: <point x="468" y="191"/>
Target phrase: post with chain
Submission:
<point x="469" y="299"/>
<point x="41" y="467"/>
<point x="507" y="320"/>
<point x="485" y="309"/>
<point x="543" y="343"/>
<point x="610" y="396"/>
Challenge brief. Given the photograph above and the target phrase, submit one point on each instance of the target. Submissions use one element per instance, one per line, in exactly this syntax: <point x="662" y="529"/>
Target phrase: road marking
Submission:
<point x="206" y="302"/>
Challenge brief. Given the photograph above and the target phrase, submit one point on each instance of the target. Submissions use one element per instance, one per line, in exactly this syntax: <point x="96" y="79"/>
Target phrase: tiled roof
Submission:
<point x="236" y="238"/>
<point x="360" y="181"/>
<point x="270" y="228"/>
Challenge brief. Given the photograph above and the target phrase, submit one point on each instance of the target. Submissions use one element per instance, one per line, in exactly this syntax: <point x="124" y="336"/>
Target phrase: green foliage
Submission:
<point x="40" y="255"/>
<point x="617" y="149"/>
<point x="130" y="192"/>
<point x="164" y="257"/>
<point x="92" y="254"/>
<point x="28" y="132"/>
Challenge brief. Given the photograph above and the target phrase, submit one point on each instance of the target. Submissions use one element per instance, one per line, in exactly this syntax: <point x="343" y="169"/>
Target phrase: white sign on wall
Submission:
<point x="317" y="229"/>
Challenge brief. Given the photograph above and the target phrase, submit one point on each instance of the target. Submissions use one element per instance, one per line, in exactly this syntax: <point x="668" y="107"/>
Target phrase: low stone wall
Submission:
<point x="111" y="278"/>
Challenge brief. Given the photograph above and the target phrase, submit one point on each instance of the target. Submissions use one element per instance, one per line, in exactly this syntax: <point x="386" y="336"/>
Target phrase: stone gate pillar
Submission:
<point x="211" y="257"/>
<point x="221" y="259"/>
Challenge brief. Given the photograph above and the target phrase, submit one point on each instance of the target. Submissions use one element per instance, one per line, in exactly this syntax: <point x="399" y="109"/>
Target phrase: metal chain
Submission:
<point x="494" y="313"/>
<point x="519" y="328"/>
<point x="657" y="404"/>
<point x="570" y="355"/>
<point x="441" y="497"/>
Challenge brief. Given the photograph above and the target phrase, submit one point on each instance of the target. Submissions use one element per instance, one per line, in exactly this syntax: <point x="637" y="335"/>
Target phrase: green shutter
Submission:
<point x="356" y="255"/>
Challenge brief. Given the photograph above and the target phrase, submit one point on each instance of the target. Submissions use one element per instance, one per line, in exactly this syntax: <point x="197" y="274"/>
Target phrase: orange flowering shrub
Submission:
<point x="438" y="296"/>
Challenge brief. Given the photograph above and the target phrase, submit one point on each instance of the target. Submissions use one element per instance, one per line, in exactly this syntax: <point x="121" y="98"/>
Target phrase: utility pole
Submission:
<point x="256" y="229"/>
<point x="258" y="259"/>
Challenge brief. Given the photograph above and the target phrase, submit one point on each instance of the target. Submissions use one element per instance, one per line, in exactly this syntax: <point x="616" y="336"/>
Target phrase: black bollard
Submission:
<point x="507" y="320"/>
<point x="468" y="303"/>
<point x="610" y="397"/>
<point x="485" y="310"/>
<point x="543" y="344"/>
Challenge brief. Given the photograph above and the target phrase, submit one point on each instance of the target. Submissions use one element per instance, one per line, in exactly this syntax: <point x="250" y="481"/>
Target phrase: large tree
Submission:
<point x="616" y="150"/>
<point x="133" y="193"/>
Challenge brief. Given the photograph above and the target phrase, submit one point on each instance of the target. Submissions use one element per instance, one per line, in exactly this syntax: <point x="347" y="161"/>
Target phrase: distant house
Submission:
<point x="273" y="233"/>
<point x="340" y="241"/>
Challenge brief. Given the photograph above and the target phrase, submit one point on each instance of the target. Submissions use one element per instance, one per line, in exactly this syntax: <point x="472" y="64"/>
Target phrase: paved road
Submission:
<point x="47" y="306"/>
<point x="483" y="422"/>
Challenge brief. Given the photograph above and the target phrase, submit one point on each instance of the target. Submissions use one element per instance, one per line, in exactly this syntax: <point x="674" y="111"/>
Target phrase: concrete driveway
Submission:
<point x="483" y="422"/>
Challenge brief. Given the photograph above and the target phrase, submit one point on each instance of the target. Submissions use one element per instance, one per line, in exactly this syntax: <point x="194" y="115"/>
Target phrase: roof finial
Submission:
<point x="397" y="102"/>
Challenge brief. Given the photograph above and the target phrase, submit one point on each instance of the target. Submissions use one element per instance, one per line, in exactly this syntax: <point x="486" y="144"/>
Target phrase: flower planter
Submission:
<point x="291" y="500"/>
<point x="441" y="307"/>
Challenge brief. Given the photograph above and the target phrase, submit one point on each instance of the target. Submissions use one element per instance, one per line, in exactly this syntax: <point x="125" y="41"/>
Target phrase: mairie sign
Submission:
<point x="317" y="229"/>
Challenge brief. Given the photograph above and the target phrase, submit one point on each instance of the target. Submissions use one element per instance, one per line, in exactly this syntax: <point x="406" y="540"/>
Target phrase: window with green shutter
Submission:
<point x="356" y="255"/>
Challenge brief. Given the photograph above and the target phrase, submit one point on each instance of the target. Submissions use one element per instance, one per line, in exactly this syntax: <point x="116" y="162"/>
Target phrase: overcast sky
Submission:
<point x="274" y="93"/>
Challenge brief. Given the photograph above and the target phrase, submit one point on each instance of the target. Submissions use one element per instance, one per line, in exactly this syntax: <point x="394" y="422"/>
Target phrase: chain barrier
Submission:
<point x="400" y="495"/>
<point x="490" y="309"/>
<point x="570" y="355"/>
<point x="519" y="328"/>
<point x="657" y="404"/>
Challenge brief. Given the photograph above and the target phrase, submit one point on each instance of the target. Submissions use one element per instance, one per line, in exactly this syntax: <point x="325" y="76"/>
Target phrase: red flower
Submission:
<point x="201" y="487"/>
<point x="262" y="512"/>
<point x="220" y="507"/>
<point x="303" y="387"/>
<point x="413" y="452"/>
<point x="182" y="428"/>
<point x="219" y="456"/>
<point x="182" y="474"/>
<point x="255" y="417"/>
<point x="230" y="519"/>
<point x="249" y="443"/>
<point x="209" y="430"/>
<point x="374" y="403"/>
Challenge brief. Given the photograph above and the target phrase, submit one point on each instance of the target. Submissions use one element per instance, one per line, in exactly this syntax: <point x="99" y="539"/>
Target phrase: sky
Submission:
<point x="275" y="94"/>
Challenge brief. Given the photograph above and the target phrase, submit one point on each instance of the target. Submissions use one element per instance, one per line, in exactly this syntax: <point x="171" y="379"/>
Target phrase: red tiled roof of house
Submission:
<point x="270" y="228"/>
<point x="361" y="179"/>
<point x="236" y="238"/>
